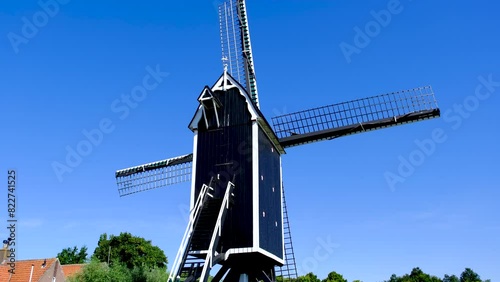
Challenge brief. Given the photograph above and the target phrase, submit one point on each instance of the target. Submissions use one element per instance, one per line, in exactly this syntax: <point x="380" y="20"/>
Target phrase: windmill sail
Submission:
<point x="154" y="175"/>
<point x="236" y="45"/>
<point x="333" y="121"/>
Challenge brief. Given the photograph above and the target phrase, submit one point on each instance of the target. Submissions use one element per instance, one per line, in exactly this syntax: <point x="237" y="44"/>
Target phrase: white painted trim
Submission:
<point x="243" y="92"/>
<point x="183" y="248"/>
<point x="196" y="119"/>
<point x="273" y="138"/>
<point x="207" y="96"/>
<point x="219" y="85"/>
<point x="256" y="182"/>
<point x="217" y="233"/>
<point x="282" y="207"/>
<point x="193" y="169"/>
<point x="243" y="277"/>
<point x="236" y="251"/>
<point x="268" y="254"/>
<point x="31" y="273"/>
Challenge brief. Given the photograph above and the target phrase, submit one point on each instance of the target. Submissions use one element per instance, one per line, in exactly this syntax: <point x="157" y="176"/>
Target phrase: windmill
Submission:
<point x="238" y="215"/>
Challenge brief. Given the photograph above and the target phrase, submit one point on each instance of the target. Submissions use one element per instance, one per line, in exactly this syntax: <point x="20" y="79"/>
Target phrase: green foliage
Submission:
<point x="131" y="251"/>
<point x="309" y="277"/>
<point x="138" y="274"/>
<point x="452" y="278"/>
<point x="158" y="275"/>
<point x="97" y="271"/>
<point x="469" y="276"/>
<point x="417" y="275"/>
<point x="73" y="256"/>
<point x="394" y="278"/>
<point x="334" y="277"/>
<point x="144" y="274"/>
<point x="279" y="279"/>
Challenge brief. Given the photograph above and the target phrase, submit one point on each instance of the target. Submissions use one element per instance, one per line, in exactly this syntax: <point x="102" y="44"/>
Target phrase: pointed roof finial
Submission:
<point x="224" y="62"/>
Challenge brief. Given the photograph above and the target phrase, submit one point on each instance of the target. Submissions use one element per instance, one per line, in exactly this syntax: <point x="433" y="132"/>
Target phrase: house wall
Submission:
<point x="55" y="270"/>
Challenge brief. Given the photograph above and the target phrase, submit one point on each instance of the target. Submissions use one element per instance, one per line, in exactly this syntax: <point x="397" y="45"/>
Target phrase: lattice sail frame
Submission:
<point x="288" y="271"/>
<point x="154" y="175"/>
<point x="355" y="116"/>
<point x="236" y="45"/>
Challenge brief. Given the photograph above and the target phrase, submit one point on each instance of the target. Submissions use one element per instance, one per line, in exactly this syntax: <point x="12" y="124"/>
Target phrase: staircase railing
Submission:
<point x="211" y="258"/>
<point x="186" y="239"/>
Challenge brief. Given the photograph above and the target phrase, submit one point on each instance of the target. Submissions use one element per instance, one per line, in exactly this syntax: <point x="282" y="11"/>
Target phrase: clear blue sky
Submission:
<point x="63" y="77"/>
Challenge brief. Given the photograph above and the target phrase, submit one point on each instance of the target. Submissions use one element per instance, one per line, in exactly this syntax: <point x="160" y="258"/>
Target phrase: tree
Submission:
<point x="278" y="279"/>
<point x="452" y="278"/>
<point x="334" y="277"/>
<point x="309" y="277"/>
<point x="129" y="250"/>
<point x="416" y="275"/>
<point x="160" y="275"/>
<point x="469" y="276"/>
<point x="73" y="256"/>
<point x="97" y="271"/>
<point x="394" y="278"/>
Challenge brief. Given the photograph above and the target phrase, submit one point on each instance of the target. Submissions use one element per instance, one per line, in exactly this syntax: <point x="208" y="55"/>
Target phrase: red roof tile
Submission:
<point x="71" y="269"/>
<point x="23" y="270"/>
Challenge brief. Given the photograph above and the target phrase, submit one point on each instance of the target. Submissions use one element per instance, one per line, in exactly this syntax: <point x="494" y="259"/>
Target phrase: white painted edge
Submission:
<point x="256" y="182"/>
<point x="193" y="169"/>
<point x="252" y="250"/>
<point x="282" y="214"/>
<point x="242" y="91"/>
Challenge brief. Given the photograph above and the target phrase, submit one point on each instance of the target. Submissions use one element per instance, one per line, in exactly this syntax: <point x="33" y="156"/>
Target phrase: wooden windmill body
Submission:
<point x="238" y="216"/>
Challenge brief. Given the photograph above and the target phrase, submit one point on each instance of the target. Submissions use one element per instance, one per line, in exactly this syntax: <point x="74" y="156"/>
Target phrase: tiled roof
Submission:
<point x="71" y="269"/>
<point x="23" y="270"/>
<point x="4" y="275"/>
